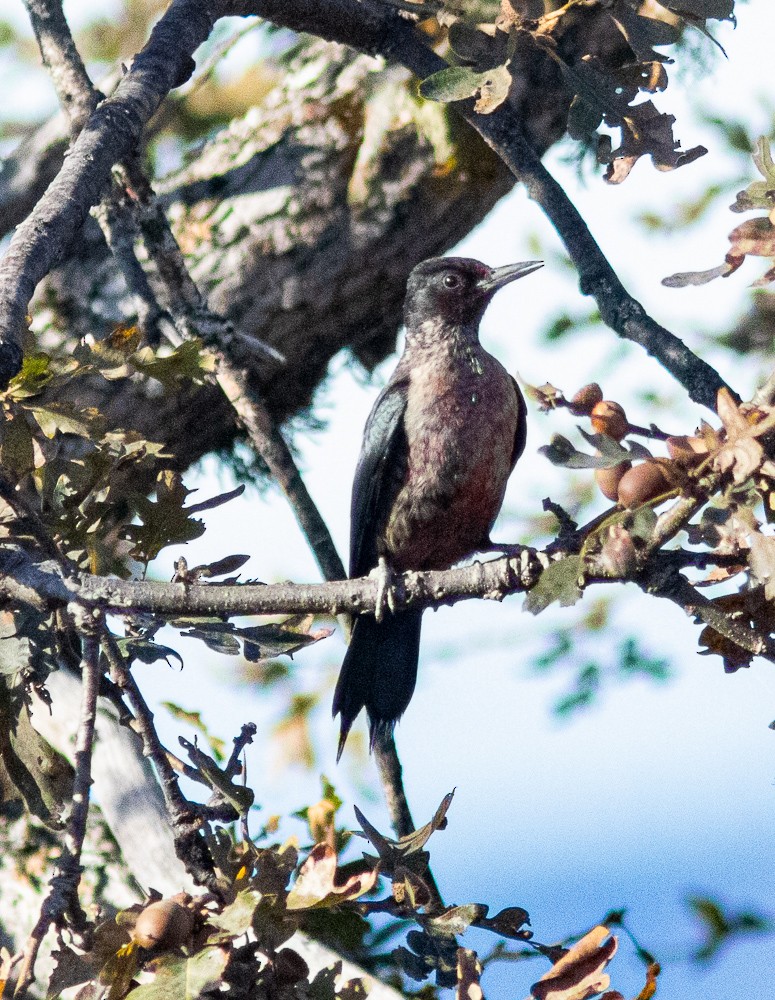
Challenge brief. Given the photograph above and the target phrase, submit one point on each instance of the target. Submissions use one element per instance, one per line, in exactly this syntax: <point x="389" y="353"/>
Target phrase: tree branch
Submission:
<point x="379" y="30"/>
<point x="62" y="898"/>
<point x="189" y="311"/>
<point x="190" y="847"/>
<point x="111" y="133"/>
<point x="20" y="577"/>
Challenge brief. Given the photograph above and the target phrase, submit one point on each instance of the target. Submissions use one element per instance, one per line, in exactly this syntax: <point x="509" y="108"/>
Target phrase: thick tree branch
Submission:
<point x="494" y="580"/>
<point x="377" y="29"/>
<point x="42" y="584"/>
<point x="111" y="133"/>
<point x="186" y="304"/>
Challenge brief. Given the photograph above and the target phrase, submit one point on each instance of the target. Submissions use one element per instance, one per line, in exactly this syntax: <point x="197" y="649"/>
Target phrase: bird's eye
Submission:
<point x="451" y="281"/>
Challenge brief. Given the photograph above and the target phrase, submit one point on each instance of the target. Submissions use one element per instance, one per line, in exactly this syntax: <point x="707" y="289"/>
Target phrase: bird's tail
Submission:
<point x="378" y="672"/>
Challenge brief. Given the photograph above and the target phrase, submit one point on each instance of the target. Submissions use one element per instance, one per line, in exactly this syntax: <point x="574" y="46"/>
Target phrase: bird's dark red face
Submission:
<point x="456" y="289"/>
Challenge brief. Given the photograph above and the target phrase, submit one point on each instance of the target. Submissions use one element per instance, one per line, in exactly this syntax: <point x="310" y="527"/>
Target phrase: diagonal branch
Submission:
<point x="187" y="306"/>
<point x="378" y="29"/>
<point x="190" y="847"/>
<point x="112" y="133"/>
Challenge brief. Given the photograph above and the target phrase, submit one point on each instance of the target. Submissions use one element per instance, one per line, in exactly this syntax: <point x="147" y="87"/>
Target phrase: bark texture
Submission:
<point x="300" y="223"/>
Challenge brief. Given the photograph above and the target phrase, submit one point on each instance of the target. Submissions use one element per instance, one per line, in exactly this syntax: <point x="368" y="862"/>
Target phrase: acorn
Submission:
<point x="608" y="479"/>
<point x="686" y="450"/>
<point x="164" y="924"/>
<point x="609" y="418"/>
<point x="641" y="483"/>
<point x="585" y="400"/>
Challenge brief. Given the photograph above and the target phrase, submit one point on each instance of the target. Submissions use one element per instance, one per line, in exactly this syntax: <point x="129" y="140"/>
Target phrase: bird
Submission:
<point x="438" y="448"/>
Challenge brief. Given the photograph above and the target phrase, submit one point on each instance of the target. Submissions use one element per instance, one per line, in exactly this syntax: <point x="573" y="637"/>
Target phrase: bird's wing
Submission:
<point x="521" y="435"/>
<point x="379" y="476"/>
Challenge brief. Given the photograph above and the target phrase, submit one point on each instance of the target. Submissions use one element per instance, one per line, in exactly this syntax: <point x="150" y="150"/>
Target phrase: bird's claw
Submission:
<point x="387" y="589"/>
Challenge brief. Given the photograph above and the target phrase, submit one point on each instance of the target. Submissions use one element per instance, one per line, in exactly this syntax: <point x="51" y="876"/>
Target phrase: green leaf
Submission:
<point x="457" y="919"/>
<point x="235" y="919"/>
<point x="217" y="501"/>
<point x="265" y="641"/>
<point x="179" y="977"/>
<point x="33" y="378"/>
<point x="164" y="521"/>
<point x="509" y="923"/>
<point x="717" y="10"/>
<point x="85" y="422"/>
<point x="16" y="451"/>
<point x="584" y="120"/>
<point x="229" y="564"/>
<point x="189" y="362"/>
<point x="219" y="637"/>
<point x="454" y="83"/>
<point x="642" y="33"/>
<point x="194" y="719"/>
<point x="558" y="582"/>
<point x="240" y="797"/>
<point x="43" y="778"/>
<point x="146" y="651"/>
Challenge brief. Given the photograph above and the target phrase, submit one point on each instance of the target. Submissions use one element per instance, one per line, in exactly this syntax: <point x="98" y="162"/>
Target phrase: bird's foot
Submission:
<point x="388" y="584"/>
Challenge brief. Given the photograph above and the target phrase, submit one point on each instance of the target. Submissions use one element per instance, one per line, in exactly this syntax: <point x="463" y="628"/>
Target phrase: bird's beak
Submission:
<point x="500" y="276"/>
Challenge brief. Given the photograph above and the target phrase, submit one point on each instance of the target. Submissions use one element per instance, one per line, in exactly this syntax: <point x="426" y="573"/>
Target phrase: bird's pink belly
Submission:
<point x="458" y="477"/>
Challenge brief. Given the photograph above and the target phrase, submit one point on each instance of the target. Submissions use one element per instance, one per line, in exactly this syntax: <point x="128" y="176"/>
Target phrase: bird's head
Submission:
<point x="456" y="290"/>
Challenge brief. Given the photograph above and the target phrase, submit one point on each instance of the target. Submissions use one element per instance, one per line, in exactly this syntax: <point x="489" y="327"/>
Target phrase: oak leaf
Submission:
<point x="579" y="973"/>
<point x="316" y="885"/>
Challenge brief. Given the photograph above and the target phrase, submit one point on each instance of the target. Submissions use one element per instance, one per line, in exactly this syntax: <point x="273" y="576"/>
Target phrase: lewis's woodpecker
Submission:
<point x="438" y="449"/>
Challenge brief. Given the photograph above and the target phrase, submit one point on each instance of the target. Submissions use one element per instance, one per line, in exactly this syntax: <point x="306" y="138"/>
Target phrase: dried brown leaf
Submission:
<point x="469" y="969"/>
<point x="316" y="885"/>
<point x="579" y="973"/>
<point x="762" y="561"/>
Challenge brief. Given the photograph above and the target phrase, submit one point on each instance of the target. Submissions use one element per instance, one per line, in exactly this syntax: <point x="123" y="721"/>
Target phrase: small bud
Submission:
<point x="585" y="400"/>
<point x="608" y="479"/>
<point x="642" y="483"/>
<point x="609" y="418"/>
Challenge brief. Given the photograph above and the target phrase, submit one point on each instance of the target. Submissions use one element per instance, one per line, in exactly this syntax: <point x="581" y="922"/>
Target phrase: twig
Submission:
<point x="63" y="61"/>
<point x="184" y="819"/>
<point x="390" y="776"/>
<point x="270" y="445"/>
<point x="62" y="898"/>
<point x="193" y="318"/>
<point x="677" y="589"/>
<point x="234" y="765"/>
